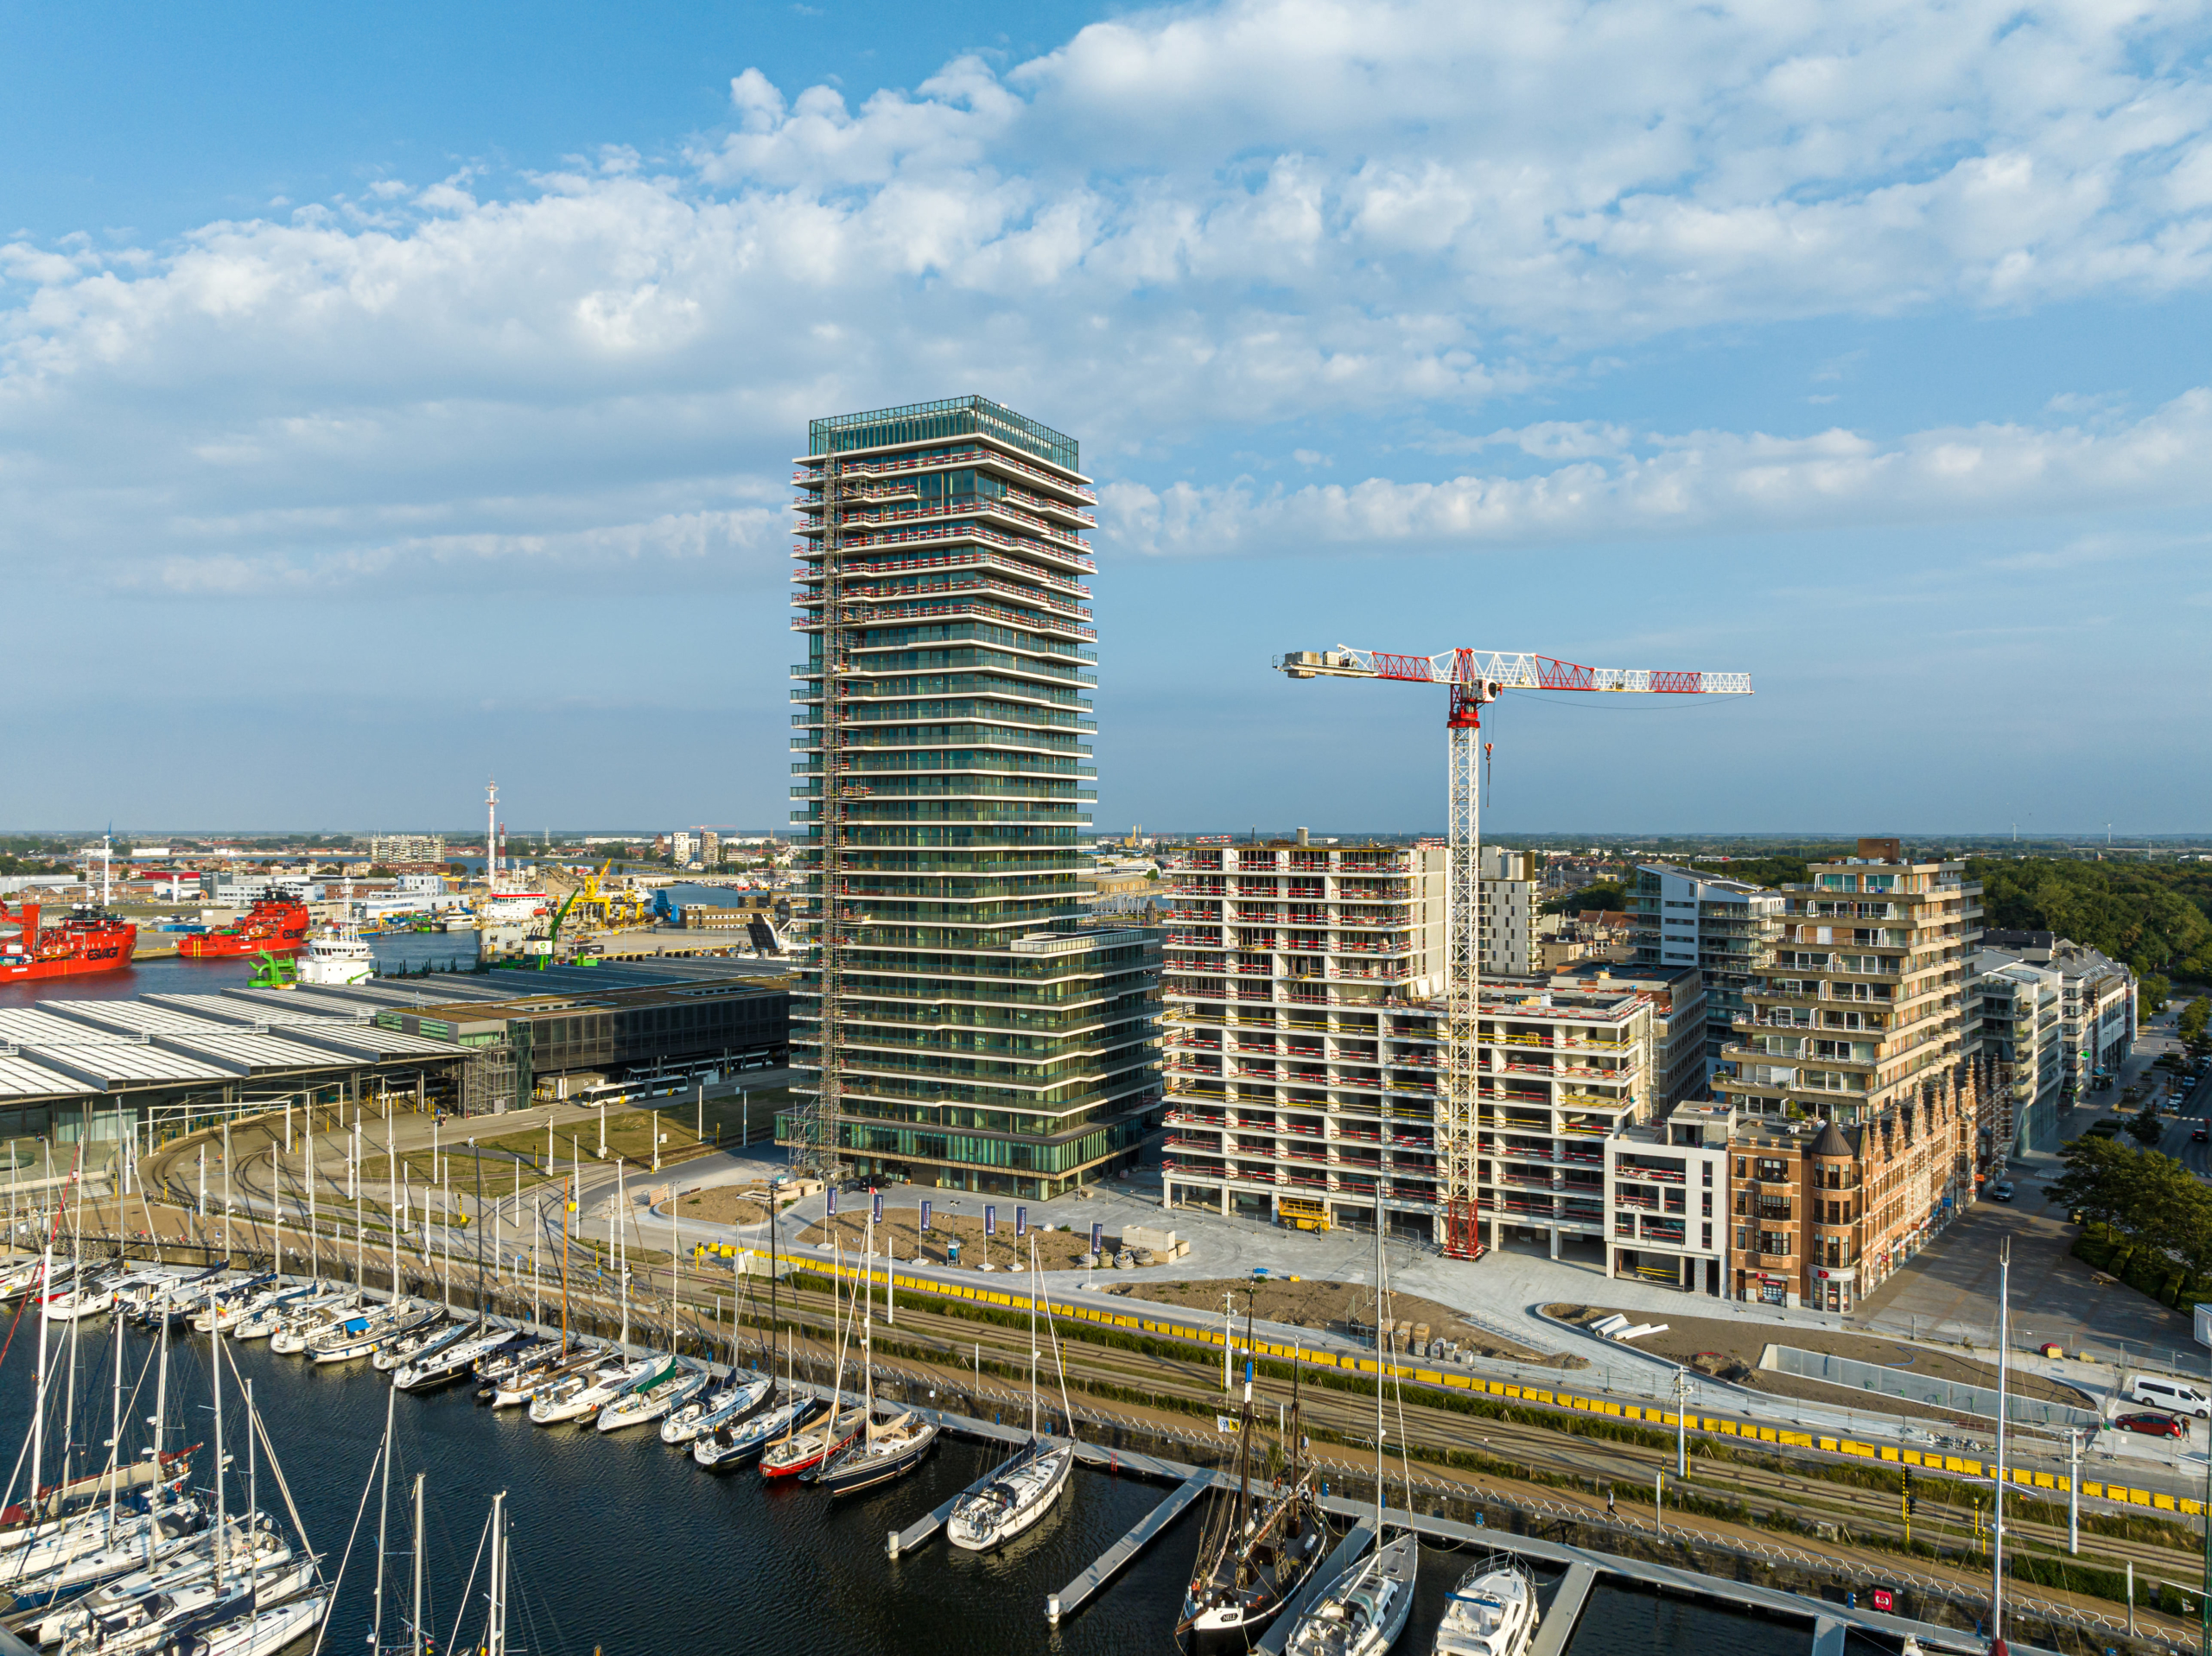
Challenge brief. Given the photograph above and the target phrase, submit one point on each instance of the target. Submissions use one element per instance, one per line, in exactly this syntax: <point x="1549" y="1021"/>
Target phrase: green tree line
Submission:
<point x="2158" y="918"/>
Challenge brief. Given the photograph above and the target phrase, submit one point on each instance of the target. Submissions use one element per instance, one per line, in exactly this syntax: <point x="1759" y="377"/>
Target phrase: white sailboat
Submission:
<point x="1363" y="1611"/>
<point x="886" y="1449"/>
<point x="798" y="1452"/>
<point x="582" y="1395"/>
<point x="1023" y="1490"/>
<point x="673" y="1384"/>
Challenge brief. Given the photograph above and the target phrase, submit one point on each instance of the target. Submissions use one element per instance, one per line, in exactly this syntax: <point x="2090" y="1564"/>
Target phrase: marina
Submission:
<point x="1119" y="1537"/>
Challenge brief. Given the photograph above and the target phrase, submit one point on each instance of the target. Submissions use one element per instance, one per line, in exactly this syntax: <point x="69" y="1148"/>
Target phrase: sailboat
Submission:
<point x="256" y="1599"/>
<point x="427" y="1371"/>
<point x="1362" y="1610"/>
<point x="1261" y="1545"/>
<point x="397" y="1350"/>
<point x="726" y="1445"/>
<point x="672" y="1383"/>
<point x="582" y="1394"/>
<point x="1022" y="1490"/>
<point x="799" y="1452"/>
<point x="885" y="1448"/>
<point x="711" y="1411"/>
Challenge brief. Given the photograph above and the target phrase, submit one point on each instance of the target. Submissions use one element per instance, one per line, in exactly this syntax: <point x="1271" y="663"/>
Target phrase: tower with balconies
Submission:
<point x="956" y="1022"/>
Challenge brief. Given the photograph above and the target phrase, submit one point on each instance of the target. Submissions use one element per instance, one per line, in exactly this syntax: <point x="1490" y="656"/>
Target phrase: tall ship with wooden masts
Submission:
<point x="1261" y="1541"/>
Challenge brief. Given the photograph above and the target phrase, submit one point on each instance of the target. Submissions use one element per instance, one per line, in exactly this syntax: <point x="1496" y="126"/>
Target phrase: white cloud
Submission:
<point x="1253" y="212"/>
<point x="1706" y="482"/>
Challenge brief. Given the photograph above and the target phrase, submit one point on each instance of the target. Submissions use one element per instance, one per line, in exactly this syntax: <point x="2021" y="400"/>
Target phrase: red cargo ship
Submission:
<point x="88" y="941"/>
<point x="274" y="925"/>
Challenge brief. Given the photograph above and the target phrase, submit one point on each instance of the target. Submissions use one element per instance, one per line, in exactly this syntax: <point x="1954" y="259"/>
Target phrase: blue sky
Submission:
<point x="393" y="399"/>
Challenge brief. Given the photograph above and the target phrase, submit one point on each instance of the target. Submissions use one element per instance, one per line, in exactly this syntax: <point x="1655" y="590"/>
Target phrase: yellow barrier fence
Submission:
<point x="1652" y="1415"/>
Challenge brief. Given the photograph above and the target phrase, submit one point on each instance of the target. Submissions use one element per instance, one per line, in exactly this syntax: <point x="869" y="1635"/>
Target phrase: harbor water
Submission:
<point x="622" y="1545"/>
<point x="410" y="951"/>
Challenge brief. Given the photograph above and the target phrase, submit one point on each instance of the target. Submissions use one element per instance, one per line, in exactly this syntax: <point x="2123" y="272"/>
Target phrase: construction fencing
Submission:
<point x="1954" y="1397"/>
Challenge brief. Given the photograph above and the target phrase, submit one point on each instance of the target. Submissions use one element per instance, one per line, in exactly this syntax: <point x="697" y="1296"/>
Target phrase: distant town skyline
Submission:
<point x="386" y="400"/>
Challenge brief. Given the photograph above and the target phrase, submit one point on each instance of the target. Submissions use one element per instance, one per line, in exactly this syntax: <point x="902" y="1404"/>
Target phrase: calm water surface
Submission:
<point x="621" y="1544"/>
<point x="413" y="950"/>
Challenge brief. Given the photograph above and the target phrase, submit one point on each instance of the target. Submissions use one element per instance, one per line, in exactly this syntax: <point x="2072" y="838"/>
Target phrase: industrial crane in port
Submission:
<point x="1473" y="678"/>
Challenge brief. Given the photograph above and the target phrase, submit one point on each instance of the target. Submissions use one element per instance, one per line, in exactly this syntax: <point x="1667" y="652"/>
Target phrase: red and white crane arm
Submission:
<point x="1506" y="670"/>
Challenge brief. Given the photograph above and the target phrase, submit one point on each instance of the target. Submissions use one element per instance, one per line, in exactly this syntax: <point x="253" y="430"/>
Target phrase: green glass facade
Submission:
<point x="956" y="1022"/>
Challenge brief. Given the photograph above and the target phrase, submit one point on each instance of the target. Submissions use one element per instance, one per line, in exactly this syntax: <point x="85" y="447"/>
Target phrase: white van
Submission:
<point x="2175" y="1396"/>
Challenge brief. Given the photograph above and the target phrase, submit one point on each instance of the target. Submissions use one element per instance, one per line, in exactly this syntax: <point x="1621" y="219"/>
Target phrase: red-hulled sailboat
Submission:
<point x="88" y="941"/>
<point x="276" y="926"/>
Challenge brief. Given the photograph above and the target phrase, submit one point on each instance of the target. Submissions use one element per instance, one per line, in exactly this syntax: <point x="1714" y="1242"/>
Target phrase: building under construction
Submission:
<point x="956" y="1022"/>
<point x="1305" y="1010"/>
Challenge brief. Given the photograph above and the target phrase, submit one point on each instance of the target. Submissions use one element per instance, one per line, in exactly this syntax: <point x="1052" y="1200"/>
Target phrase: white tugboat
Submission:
<point x="338" y="954"/>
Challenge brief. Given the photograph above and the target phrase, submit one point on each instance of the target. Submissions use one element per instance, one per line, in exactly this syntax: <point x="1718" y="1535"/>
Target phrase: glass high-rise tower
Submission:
<point x="956" y="1022"/>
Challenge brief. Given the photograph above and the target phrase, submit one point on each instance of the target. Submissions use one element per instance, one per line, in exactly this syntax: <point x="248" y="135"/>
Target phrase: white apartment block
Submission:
<point x="389" y="848"/>
<point x="684" y="847"/>
<point x="2019" y="1013"/>
<point x="2098" y="1006"/>
<point x="1667" y="1192"/>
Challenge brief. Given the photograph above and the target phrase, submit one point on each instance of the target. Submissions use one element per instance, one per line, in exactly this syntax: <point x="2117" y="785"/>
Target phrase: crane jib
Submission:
<point x="1510" y="670"/>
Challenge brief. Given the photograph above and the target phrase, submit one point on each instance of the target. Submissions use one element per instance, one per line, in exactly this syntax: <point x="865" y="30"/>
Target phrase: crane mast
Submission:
<point x="1474" y="678"/>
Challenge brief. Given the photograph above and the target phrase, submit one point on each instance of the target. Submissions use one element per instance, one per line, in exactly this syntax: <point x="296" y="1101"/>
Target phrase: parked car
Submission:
<point x="2200" y="1134"/>
<point x="2001" y="1191"/>
<point x="2151" y="1426"/>
<point x="2179" y="1396"/>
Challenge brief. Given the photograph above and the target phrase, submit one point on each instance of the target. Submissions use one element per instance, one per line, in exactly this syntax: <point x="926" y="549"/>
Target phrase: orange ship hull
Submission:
<point x="79" y="946"/>
<point x="269" y="928"/>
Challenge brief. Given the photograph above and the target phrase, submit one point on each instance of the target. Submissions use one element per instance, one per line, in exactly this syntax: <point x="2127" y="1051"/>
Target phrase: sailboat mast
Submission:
<point x="868" y="1336"/>
<point x="384" y="1516"/>
<point x="391" y="1161"/>
<point x="1379" y="1507"/>
<point x="619" y="1246"/>
<point x="38" y="1389"/>
<point x="252" y="1505"/>
<point x="161" y="1385"/>
<point x="2004" y="1356"/>
<point x="115" y="1443"/>
<point x="1032" y="1337"/>
<point x="77" y="1279"/>
<point x="565" y="1206"/>
<point x="415" y="1610"/>
<point x="1244" y="1454"/>
<point x="480" y="1227"/>
<point x="495" y="1632"/>
<point x="222" y="1547"/>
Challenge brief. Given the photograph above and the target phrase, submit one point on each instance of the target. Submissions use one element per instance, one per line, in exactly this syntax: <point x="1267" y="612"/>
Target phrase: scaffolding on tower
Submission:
<point x="837" y="919"/>
<point x="1472" y="678"/>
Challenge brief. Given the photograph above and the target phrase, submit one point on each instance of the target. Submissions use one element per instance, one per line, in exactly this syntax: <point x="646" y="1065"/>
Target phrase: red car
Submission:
<point x="2151" y="1426"/>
